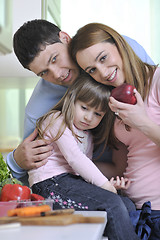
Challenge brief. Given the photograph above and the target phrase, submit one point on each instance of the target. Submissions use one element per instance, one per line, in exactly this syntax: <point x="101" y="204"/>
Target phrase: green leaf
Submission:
<point x="4" y="172"/>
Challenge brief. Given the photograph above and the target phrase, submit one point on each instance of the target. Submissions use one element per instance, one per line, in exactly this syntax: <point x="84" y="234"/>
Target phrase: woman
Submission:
<point x="105" y="55"/>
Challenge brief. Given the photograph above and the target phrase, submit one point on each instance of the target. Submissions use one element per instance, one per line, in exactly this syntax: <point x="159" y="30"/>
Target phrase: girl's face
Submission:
<point x="103" y="62"/>
<point x="85" y="117"/>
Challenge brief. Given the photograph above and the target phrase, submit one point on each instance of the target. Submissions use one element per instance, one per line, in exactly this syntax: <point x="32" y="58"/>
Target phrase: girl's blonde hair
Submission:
<point x="87" y="90"/>
<point x="137" y="73"/>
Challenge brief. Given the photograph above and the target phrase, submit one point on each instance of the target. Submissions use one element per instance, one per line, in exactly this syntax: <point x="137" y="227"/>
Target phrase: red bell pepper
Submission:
<point x="15" y="192"/>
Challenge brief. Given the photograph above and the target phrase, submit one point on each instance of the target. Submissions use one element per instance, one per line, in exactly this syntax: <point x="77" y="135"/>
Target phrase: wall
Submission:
<point x="137" y="19"/>
<point x="155" y="29"/>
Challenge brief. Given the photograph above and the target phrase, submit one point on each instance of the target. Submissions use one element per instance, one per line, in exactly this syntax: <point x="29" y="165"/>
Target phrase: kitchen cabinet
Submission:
<point x="5" y="26"/>
<point x="85" y="231"/>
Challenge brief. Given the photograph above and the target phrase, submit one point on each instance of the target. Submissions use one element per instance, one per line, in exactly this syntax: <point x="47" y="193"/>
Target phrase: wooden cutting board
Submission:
<point x="52" y="220"/>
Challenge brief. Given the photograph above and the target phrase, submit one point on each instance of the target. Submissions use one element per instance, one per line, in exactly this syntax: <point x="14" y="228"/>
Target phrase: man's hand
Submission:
<point x="32" y="153"/>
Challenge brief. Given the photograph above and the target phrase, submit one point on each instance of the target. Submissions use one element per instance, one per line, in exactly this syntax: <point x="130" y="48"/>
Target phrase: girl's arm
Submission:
<point x="110" y="186"/>
<point x="78" y="161"/>
<point x="135" y="116"/>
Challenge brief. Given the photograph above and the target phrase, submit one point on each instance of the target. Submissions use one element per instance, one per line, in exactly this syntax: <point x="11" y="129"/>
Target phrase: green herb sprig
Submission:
<point x="4" y="171"/>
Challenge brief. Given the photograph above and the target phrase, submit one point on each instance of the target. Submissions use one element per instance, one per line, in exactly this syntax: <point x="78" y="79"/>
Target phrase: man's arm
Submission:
<point x="28" y="156"/>
<point x="31" y="153"/>
<point x="117" y="166"/>
<point x="139" y="50"/>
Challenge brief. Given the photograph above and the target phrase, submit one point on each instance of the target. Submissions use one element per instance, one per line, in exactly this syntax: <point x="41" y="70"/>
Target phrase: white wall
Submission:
<point x="155" y="29"/>
<point x="137" y="19"/>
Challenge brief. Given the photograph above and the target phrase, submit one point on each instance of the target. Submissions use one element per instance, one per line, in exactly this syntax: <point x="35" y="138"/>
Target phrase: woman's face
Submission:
<point x="103" y="62"/>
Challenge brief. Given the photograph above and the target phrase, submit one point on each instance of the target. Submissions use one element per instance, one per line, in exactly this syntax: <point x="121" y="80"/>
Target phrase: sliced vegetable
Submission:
<point x="29" y="211"/>
<point x="36" y="197"/>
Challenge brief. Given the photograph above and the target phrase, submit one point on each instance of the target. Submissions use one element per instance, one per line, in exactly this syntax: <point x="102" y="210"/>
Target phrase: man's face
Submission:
<point x="54" y="63"/>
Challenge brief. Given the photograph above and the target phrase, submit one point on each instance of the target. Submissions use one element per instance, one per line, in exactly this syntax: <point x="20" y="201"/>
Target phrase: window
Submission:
<point x="5" y="26"/>
<point x="51" y="11"/>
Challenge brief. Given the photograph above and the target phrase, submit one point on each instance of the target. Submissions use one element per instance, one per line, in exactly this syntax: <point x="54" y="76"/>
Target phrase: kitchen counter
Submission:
<point x="81" y="231"/>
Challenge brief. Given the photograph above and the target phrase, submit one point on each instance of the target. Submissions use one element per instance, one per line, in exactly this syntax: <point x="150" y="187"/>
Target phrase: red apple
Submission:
<point x="124" y="93"/>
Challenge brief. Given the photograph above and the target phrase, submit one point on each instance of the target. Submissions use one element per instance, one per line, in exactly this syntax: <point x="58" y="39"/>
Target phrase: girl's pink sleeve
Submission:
<point x="79" y="162"/>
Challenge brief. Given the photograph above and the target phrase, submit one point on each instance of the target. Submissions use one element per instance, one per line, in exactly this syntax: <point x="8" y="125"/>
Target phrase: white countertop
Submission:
<point x="81" y="231"/>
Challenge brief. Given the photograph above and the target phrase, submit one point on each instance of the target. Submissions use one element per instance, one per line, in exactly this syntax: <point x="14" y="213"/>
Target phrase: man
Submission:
<point x="42" y="48"/>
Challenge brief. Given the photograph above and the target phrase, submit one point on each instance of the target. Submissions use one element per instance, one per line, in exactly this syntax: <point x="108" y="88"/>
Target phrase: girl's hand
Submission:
<point x="132" y="115"/>
<point x="108" y="186"/>
<point x="120" y="183"/>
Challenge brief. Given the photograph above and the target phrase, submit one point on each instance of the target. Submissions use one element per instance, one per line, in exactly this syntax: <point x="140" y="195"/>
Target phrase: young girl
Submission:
<point x="106" y="56"/>
<point x="67" y="176"/>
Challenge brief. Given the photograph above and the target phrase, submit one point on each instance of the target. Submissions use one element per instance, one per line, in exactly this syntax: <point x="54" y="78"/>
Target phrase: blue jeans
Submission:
<point x="146" y="222"/>
<point x="70" y="191"/>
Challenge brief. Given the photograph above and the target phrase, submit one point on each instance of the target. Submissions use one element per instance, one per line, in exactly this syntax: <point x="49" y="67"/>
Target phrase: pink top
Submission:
<point x="68" y="156"/>
<point x="143" y="154"/>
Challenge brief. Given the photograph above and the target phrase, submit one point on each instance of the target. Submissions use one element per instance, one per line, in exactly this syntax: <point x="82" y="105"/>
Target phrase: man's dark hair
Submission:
<point x="32" y="37"/>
